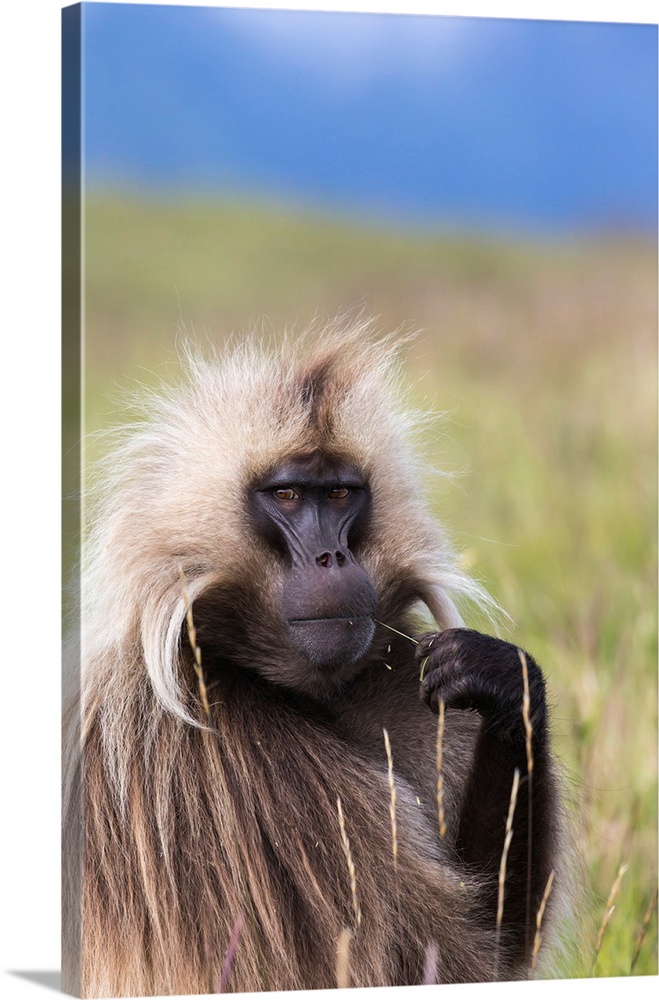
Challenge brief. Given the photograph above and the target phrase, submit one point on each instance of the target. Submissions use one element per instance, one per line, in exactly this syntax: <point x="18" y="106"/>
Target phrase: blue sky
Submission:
<point x="450" y="120"/>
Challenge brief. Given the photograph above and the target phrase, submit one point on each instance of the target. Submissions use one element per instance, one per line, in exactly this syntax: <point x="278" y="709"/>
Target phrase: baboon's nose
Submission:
<point x="326" y="560"/>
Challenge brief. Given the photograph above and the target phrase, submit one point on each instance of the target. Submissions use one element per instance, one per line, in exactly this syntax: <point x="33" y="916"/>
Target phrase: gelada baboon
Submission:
<point x="252" y="795"/>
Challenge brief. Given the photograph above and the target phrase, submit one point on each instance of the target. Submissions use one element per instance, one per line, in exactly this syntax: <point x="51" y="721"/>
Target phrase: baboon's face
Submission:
<point x="313" y="512"/>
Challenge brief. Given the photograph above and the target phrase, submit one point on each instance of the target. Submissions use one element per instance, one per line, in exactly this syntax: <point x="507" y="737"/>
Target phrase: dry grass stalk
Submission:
<point x="528" y="734"/>
<point x="440" y="772"/>
<point x="343" y="959"/>
<point x="608" y="913"/>
<point x="392" y="798"/>
<point x="537" y="940"/>
<point x="231" y="951"/>
<point x="392" y="629"/>
<point x="392" y="813"/>
<point x="192" y="636"/>
<point x="504" y="863"/>
<point x="351" y="867"/>
<point x="526" y="713"/>
<point x="652" y="906"/>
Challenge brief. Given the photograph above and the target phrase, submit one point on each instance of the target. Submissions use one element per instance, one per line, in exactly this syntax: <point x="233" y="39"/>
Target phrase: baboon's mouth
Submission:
<point x="332" y="618"/>
<point x="332" y="642"/>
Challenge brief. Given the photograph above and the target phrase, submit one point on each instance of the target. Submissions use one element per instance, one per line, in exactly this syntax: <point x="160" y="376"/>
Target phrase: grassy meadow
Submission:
<point x="544" y="356"/>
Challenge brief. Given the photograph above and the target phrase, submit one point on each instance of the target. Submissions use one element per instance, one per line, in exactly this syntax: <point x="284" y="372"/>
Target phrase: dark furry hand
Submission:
<point x="469" y="670"/>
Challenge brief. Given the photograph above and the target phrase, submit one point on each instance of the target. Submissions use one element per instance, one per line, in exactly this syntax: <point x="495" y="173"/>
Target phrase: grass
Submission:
<point x="537" y="937"/>
<point x="503" y="864"/>
<point x="351" y="867"/>
<point x="545" y="355"/>
<point x="439" y="765"/>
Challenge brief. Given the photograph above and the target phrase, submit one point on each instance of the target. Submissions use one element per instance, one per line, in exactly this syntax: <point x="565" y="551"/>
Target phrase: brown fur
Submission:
<point x="175" y="824"/>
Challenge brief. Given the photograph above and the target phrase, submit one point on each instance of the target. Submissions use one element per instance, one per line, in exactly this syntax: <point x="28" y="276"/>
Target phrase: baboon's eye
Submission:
<point x="286" y="493"/>
<point x="338" y="493"/>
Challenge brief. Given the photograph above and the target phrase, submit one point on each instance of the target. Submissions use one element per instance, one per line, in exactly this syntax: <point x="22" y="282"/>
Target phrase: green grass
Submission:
<point x="545" y="354"/>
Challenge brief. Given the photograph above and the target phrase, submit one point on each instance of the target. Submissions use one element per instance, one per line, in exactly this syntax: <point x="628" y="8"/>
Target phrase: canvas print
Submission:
<point x="360" y="497"/>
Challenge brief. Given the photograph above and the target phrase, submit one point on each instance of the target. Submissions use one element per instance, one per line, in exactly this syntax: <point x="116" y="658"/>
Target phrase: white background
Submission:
<point x="29" y="535"/>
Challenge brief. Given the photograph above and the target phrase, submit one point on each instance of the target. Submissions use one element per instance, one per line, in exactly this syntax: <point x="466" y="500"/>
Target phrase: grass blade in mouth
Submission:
<point x="392" y="629"/>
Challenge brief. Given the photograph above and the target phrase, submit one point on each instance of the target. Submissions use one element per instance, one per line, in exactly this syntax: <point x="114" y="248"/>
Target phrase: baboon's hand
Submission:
<point x="469" y="670"/>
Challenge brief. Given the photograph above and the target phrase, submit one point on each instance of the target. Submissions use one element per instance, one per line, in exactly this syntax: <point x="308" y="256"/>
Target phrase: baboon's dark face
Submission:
<point x="313" y="512"/>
